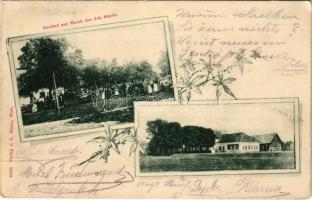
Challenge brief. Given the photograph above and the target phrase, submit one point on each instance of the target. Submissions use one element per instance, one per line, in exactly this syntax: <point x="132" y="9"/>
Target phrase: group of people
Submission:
<point x="47" y="99"/>
<point x="129" y="89"/>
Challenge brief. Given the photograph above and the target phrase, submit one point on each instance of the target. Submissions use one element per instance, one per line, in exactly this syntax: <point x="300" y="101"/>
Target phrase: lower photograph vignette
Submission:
<point x="244" y="136"/>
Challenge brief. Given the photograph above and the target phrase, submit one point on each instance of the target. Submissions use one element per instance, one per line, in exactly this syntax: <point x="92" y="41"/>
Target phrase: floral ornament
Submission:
<point x="221" y="83"/>
<point x="135" y="144"/>
<point x="212" y="71"/>
<point x="241" y="60"/>
<point x="210" y="63"/>
<point x="256" y="54"/>
<point x="190" y="82"/>
<point x="111" y="140"/>
<point x="189" y="64"/>
<point x="133" y="139"/>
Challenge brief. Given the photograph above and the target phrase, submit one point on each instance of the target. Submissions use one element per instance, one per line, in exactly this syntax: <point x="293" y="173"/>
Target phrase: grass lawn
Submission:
<point x="86" y="113"/>
<point x="216" y="162"/>
<point x="82" y="113"/>
<point x="77" y="117"/>
<point x="74" y="118"/>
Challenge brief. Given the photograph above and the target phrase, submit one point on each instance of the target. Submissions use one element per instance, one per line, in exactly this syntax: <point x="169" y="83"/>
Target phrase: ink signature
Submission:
<point x="58" y="176"/>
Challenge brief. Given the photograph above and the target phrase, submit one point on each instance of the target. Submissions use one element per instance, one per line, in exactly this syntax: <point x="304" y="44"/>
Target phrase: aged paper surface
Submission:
<point x="155" y="99"/>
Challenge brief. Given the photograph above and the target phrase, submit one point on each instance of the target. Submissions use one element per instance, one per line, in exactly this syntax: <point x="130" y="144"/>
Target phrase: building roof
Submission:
<point x="265" y="138"/>
<point x="236" y="137"/>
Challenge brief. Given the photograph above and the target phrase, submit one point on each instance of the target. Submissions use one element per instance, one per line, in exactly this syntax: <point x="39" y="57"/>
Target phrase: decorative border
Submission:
<point x="291" y="100"/>
<point x="10" y="41"/>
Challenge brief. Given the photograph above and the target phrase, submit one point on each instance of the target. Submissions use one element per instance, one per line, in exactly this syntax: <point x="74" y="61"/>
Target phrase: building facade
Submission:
<point x="270" y="142"/>
<point x="237" y="142"/>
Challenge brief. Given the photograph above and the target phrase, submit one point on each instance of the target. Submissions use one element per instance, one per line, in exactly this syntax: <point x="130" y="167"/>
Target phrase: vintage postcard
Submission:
<point x="155" y="99"/>
<point x="69" y="82"/>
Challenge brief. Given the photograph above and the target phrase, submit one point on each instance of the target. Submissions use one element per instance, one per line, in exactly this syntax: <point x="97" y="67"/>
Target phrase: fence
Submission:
<point x="119" y="103"/>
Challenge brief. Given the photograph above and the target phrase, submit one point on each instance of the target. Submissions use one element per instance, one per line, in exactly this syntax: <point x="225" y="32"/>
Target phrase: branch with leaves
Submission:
<point x="111" y="140"/>
<point x="214" y="71"/>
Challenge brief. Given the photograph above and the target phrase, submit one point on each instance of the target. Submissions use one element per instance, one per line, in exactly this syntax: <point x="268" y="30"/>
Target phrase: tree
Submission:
<point x="163" y="64"/>
<point x="76" y="59"/>
<point x="158" y="143"/>
<point x="41" y="58"/>
<point x="167" y="138"/>
<point x="91" y="76"/>
<point x="173" y="137"/>
<point x="190" y="138"/>
<point x="106" y="74"/>
<point x="138" y="72"/>
<point x="207" y="138"/>
<point x="197" y="138"/>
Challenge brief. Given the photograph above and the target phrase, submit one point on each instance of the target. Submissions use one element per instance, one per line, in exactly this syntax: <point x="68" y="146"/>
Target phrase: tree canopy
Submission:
<point x="163" y="64"/>
<point x="40" y="58"/>
<point x="169" y="137"/>
<point x="104" y="74"/>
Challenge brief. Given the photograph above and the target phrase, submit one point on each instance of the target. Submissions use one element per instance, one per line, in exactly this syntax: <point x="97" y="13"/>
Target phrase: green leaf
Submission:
<point x="133" y="148"/>
<point x="218" y="93"/>
<point x="115" y="147"/>
<point x="99" y="139"/>
<point x="183" y="65"/>
<point x="220" y="75"/>
<point x="245" y="60"/>
<point x="198" y="77"/>
<point x="190" y="64"/>
<point x="119" y="136"/>
<point x="197" y="89"/>
<point x="211" y="60"/>
<point x="128" y="138"/>
<point x="182" y="90"/>
<point x="240" y="60"/>
<point x="255" y="54"/>
<point x="240" y="64"/>
<point x="216" y="82"/>
<point x="207" y="65"/>
<point x="189" y="95"/>
<point x="229" y="80"/>
<point x="228" y="91"/>
<point x="180" y="85"/>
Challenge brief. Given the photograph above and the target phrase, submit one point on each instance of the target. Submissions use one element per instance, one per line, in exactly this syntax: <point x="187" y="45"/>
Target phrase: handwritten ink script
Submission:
<point x="215" y="188"/>
<point x="272" y="31"/>
<point x="58" y="174"/>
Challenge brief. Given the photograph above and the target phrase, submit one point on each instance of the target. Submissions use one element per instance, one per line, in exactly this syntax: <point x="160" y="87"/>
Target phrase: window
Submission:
<point x="232" y="146"/>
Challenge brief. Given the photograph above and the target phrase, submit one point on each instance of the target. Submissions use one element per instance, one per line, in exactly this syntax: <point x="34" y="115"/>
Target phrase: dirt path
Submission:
<point x="60" y="127"/>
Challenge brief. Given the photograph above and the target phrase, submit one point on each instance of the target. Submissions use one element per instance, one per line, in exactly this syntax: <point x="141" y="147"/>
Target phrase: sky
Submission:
<point x="130" y="43"/>
<point x="252" y="119"/>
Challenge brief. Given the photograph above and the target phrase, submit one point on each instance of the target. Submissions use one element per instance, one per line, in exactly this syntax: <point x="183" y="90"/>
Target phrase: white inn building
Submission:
<point x="236" y="142"/>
